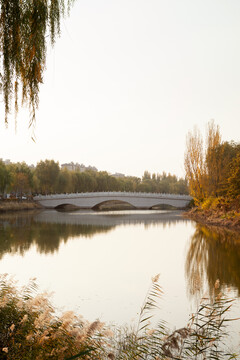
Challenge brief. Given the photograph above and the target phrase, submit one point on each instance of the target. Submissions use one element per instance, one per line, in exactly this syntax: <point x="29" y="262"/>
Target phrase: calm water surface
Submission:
<point x="100" y="264"/>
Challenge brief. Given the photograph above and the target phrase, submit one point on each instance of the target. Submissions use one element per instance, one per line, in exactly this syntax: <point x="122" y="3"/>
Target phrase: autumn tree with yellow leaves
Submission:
<point x="211" y="170"/>
<point x="195" y="165"/>
<point x="213" y="158"/>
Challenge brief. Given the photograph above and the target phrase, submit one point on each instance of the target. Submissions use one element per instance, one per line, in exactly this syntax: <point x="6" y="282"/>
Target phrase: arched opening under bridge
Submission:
<point x="113" y="205"/>
<point x="164" y="207"/>
<point x="66" y="207"/>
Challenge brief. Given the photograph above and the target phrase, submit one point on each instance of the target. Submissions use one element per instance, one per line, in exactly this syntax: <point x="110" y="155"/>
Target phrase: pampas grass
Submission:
<point x="30" y="329"/>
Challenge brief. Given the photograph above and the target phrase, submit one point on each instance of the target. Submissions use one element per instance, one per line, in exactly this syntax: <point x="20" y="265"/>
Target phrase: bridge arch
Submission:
<point x="162" y="206"/>
<point x="66" y="207"/>
<point x="114" y="205"/>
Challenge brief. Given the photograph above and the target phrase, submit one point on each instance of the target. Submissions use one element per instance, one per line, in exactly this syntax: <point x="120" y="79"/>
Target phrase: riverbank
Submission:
<point x="11" y="206"/>
<point x="215" y="217"/>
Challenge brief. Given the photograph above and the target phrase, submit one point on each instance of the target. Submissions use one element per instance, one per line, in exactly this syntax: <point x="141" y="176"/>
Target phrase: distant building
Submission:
<point x="92" y="168"/>
<point x="6" y="162"/>
<point x="77" y="167"/>
<point x="69" y="166"/>
<point x="118" y="175"/>
<point x="81" y="168"/>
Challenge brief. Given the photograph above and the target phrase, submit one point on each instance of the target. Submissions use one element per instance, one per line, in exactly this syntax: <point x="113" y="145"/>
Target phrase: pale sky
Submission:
<point x="128" y="79"/>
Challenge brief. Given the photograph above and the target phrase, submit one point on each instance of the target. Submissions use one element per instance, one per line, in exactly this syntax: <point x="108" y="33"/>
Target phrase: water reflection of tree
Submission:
<point x="18" y="234"/>
<point x="19" y="231"/>
<point x="214" y="253"/>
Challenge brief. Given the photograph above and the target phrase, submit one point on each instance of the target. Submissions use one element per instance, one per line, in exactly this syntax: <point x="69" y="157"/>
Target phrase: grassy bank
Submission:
<point x="9" y="205"/>
<point x="219" y="211"/>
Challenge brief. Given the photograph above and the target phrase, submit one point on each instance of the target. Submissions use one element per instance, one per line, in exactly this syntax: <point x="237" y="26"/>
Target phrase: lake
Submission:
<point x="100" y="264"/>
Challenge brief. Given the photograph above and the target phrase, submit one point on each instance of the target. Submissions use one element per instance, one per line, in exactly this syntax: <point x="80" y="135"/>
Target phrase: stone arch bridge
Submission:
<point x="92" y="199"/>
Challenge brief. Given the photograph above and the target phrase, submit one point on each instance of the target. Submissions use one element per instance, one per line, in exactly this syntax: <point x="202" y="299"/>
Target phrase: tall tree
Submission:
<point x="195" y="165"/>
<point x="213" y="157"/>
<point x="21" y="178"/>
<point x="219" y="167"/>
<point x="5" y="177"/>
<point x="146" y="175"/>
<point x="234" y="177"/>
<point x="213" y="173"/>
<point x="65" y="182"/>
<point x="20" y="184"/>
<point x="47" y="172"/>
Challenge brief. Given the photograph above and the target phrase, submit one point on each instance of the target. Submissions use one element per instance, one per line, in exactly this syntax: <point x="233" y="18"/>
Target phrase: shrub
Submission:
<point x="30" y="330"/>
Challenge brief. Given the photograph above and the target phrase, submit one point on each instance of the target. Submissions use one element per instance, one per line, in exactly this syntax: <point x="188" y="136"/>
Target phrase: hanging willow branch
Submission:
<point x="24" y="28"/>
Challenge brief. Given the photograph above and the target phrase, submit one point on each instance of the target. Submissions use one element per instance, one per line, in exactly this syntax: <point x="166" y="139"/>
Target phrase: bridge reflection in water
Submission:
<point x="207" y="253"/>
<point x="47" y="229"/>
<point x="211" y="252"/>
<point x="110" y="218"/>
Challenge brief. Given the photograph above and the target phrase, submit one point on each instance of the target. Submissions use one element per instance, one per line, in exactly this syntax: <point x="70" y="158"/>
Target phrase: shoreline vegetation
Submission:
<point x="229" y="219"/>
<point x="30" y="329"/>
<point x="24" y="205"/>
<point x="47" y="177"/>
<point x="220" y="211"/>
<point x="213" y="174"/>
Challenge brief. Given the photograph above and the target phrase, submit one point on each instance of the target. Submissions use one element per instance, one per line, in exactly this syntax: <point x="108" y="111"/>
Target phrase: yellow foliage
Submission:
<point x="210" y="203"/>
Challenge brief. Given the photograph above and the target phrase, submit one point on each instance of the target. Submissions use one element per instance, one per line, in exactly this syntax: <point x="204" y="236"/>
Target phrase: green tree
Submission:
<point x="5" y="177"/>
<point x="65" y="182"/>
<point x="24" y="30"/>
<point x="102" y="181"/>
<point x="146" y="175"/>
<point x="21" y="178"/>
<point x="182" y="187"/>
<point x="21" y="183"/>
<point x="213" y="158"/>
<point x="47" y="173"/>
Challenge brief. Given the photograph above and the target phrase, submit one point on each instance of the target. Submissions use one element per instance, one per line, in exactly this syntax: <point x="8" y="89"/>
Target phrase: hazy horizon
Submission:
<point x="127" y="80"/>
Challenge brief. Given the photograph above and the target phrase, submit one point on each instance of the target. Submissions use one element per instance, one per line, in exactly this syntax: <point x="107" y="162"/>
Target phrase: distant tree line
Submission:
<point x="213" y="170"/>
<point x="48" y="178"/>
